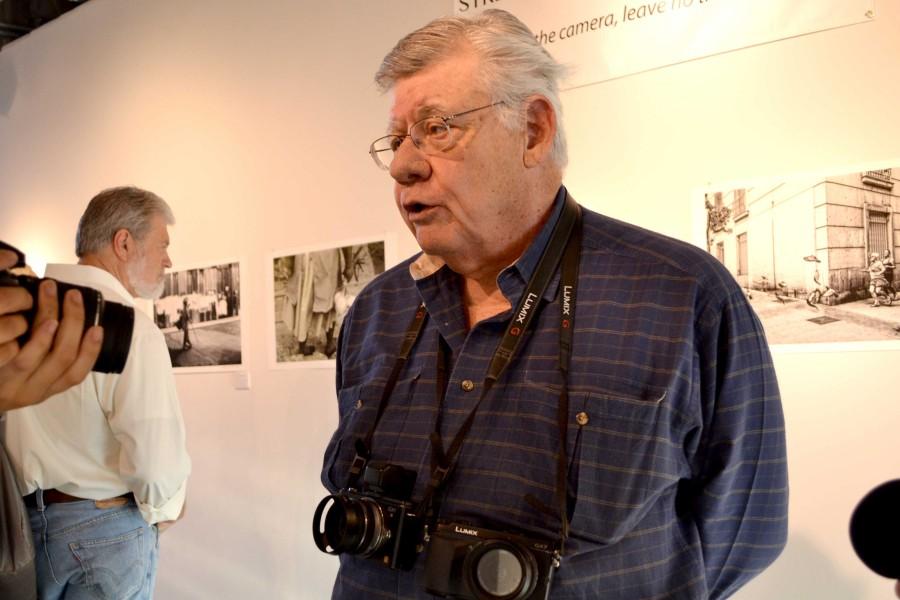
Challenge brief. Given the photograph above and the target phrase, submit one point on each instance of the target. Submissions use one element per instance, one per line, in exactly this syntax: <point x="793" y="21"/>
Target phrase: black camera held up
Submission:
<point x="116" y="319"/>
<point x="480" y="564"/>
<point x="378" y="522"/>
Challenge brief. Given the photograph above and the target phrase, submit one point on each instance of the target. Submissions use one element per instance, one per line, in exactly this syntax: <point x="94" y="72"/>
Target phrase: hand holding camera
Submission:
<point x="56" y="354"/>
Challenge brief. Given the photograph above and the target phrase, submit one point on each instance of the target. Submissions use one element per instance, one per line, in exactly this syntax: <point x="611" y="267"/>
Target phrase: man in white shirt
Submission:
<point x="104" y="464"/>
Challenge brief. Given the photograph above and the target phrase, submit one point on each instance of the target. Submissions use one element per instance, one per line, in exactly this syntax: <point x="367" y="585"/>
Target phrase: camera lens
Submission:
<point x="118" y="323"/>
<point x="355" y="526"/>
<point x="116" y="319"/>
<point x="500" y="570"/>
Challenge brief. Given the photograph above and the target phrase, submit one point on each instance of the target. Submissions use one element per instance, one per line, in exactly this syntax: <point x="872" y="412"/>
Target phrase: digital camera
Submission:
<point x="116" y="319"/>
<point x="379" y="522"/>
<point x="470" y="562"/>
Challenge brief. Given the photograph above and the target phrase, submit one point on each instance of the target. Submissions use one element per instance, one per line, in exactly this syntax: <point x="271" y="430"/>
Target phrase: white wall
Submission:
<point x="253" y="119"/>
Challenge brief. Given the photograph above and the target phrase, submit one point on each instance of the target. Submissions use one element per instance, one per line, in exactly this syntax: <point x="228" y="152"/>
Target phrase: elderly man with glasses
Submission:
<point x="545" y="402"/>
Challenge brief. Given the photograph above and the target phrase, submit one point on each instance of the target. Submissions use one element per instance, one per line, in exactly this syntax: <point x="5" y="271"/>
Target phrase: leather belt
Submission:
<point x="57" y="497"/>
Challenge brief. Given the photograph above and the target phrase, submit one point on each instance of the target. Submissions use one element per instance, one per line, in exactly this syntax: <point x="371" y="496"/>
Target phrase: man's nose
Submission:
<point x="409" y="164"/>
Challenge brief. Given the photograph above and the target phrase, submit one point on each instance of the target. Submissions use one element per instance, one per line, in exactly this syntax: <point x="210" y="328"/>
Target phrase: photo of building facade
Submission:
<point x="822" y="244"/>
<point x="763" y="234"/>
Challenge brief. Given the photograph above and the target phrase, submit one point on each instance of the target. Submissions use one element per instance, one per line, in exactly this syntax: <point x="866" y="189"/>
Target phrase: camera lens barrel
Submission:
<point x="351" y="525"/>
<point x="357" y="526"/>
<point x="374" y="527"/>
<point x="116" y="319"/>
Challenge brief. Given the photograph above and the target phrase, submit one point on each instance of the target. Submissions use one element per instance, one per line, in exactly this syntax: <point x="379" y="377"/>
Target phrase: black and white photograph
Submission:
<point x="815" y="254"/>
<point x="312" y="291"/>
<point x="200" y="314"/>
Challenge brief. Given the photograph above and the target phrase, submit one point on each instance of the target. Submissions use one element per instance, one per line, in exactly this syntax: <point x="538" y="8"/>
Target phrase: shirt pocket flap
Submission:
<point x="626" y="454"/>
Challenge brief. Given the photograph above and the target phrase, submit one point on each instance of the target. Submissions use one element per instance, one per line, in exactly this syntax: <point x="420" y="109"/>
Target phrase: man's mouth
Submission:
<point x="417" y="210"/>
<point x="414" y="207"/>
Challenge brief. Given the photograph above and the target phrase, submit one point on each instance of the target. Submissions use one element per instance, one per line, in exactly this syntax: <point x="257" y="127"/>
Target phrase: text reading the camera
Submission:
<point x="629" y="13"/>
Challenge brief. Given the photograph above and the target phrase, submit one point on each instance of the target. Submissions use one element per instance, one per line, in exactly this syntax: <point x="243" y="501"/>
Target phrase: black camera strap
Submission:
<point x="565" y="245"/>
<point x="363" y="446"/>
<point x="568" y="286"/>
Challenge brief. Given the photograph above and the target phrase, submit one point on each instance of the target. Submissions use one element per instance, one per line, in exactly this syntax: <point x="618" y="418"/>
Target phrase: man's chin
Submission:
<point x="435" y="245"/>
<point x="148" y="293"/>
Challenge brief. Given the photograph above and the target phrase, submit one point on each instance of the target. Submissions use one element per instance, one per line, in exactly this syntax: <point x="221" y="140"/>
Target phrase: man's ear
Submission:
<point x="540" y="130"/>
<point x="123" y="244"/>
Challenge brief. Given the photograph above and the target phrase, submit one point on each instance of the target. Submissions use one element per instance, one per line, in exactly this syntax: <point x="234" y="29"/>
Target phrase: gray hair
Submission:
<point x="513" y="64"/>
<point x="118" y="208"/>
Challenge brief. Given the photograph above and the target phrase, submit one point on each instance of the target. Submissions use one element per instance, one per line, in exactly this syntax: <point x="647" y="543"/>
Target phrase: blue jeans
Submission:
<point x="83" y="552"/>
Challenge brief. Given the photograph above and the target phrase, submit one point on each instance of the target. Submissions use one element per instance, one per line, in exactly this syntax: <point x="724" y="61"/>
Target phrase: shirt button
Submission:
<point x="467" y="385"/>
<point x="358" y="404"/>
<point x="582" y="418"/>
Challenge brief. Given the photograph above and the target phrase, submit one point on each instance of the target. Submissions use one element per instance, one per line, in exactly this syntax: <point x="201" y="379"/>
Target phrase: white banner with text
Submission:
<point x="605" y="39"/>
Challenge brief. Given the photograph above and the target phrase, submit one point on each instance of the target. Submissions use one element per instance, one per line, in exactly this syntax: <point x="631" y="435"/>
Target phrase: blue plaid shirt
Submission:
<point x="677" y="470"/>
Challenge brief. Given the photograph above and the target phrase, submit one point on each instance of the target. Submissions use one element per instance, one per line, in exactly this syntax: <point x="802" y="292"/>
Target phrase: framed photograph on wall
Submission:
<point x="199" y="313"/>
<point x="814" y="253"/>
<point x="311" y="290"/>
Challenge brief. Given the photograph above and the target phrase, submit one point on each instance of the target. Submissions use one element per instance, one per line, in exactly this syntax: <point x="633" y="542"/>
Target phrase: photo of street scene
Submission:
<point x="199" y="314"/>
<point x="312" y="292"/>
<point x="815" y="255"/>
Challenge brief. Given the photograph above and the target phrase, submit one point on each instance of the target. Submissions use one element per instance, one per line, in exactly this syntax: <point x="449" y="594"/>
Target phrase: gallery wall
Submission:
<point x="253" y="121"/>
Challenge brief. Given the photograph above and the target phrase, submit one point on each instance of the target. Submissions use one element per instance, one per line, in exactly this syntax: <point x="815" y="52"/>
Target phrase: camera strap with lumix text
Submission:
<point x="563" y="246"/>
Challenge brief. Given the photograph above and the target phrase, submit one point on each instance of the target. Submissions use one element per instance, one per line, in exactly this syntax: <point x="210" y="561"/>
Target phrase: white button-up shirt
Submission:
<point x="114" y="433"/>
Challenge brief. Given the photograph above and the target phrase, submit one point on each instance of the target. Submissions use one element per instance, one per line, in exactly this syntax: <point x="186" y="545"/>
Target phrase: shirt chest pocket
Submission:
<point x="358" y="405"/>
<point x="625" y="454"/>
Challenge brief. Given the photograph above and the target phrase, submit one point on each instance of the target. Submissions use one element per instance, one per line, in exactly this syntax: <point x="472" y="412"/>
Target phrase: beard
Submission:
<point x="149" y="290"/>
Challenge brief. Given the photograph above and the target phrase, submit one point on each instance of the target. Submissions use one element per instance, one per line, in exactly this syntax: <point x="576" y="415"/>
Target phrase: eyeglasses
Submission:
<point x="431" y="135"/>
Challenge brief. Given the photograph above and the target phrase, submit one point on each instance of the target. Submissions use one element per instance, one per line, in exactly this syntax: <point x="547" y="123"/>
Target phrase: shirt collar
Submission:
<point x="527" y="263"/>
<point x="425" y="266"/>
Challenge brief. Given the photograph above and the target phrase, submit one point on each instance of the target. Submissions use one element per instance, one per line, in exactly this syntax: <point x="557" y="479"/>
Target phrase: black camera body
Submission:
<point x="116" y="319"/>
<point x="378" y="522"/>
<point x="465" y="561"/>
